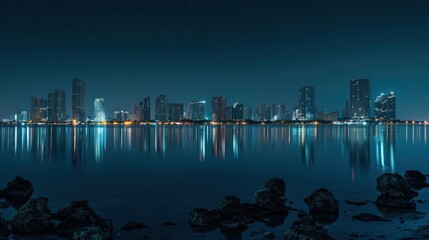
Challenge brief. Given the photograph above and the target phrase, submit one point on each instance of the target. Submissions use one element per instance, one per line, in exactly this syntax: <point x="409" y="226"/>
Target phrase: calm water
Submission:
<point x="159" y="173"/>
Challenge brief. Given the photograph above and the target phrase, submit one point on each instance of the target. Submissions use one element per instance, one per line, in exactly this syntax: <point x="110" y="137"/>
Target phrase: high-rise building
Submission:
<point x="161" y="108"/>
<point x="38" y="109"/>
<point x="280" y="113"/>
<point x="248" y="113"/>
<point x="218" y="108"/>
<point x="121" y="116"/>
<point x="360" y="95"/>
<point x="197" y="110"/>
<point x="237" y="111"/>
<point x="306" y="106"/>
<point x="228" y="113"/>
<point x="261" y="112"/>
<point x="175" y="112"/>
<point x="144" y="110"/>
<point x="346" y="109"/>
<point x="78" y="100"/>
<point x="385" y="107"/>
<point x="57" y="106"/>
<point x="99" y="110"/>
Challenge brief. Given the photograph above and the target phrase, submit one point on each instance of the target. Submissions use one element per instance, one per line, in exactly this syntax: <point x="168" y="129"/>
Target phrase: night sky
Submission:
<point x="248" y="51"/>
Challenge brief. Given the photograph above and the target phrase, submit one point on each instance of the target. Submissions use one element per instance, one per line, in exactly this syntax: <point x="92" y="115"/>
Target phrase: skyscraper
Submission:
<point x="175" y="112"/>
<point x="197" y="110"/>
<point x="57" y="106"/>
<point x="99" y="111"/>
<point x="218" y="108"/>
<point x="78" y="100"/>
<point x="38" y="107"/>
<point x="161" y="108"/>
<point x="360" y="94"/>
<point x="237" y="111"/>
<point x="385" y="107"/>
<point x="306" y="107"/>
<point x="144" y="110"/>
<point x="346" y="109"/>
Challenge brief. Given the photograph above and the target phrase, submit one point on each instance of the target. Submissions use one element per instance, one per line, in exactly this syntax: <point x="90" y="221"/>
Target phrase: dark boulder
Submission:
<point x="4" y="229"/>
<point x="415" y="179"/>
<point x="134" y="226"/>
<point x="322" y="201"/>
<point x="34" y="217"/>
<point x="202" y="219"/>
<point x="17" y="192"/>
<point x="270" y="200"/>
<point x="229" y="206"/>
<point x="395" y="186"/>
<point x="79" y="215"/>
<point x="91" y="233"/>
<point x="306" y="228"/>
<point x="277" y="185"/>
<point x="368" y="217"/>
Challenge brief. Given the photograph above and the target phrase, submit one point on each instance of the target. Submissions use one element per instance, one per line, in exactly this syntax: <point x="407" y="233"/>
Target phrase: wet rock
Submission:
<point x="395" y="186"/>
<point x="270" y="200"/>
<point x="306" y="228"/>
<point x="322" y="201"/>
<point x="276" y="185"/>
<point x="34" y="217"/>
<point x="269" y="235"/>
<point x="91" y="233"/>
<point x="385" y="203"/>
<point x="79" y="215"/>
<point x="230" y="206"/>
<point x="415" y="179"/>
<point x="4" y="229"/>
<point x="368" y="217"/>
<point x="202" y="219"/>
<point x="134" y="226"/>
<point x="168" y="223"/>
<point x="17" y="192"/>
<point x="358" y="203"/>
<point x="233" y="226"/>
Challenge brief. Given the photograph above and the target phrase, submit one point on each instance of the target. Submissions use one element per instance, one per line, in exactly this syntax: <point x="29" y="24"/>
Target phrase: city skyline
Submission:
<point x="197" y="49"/>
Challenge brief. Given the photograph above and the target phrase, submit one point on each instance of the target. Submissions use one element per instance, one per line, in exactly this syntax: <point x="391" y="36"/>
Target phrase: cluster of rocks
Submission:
<point x="232" y="217"/>
<point x="77" y="222"/>
<point x="397" y="192"/>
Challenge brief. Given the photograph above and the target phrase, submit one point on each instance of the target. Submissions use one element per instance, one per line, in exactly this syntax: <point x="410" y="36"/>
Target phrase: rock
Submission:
<point x="34" y="217"/>
<point x="230" y="206"/>
<point x="233" y="226"/>
<point x="79" y="215"/>
<point x="415" y="179"/>
<point x="168" y="223"/>
<point x="91" y="233"/>
<point x="385" y="203"/>
<point x="17" y="192"/>
<point x="359" y="203"/>
<point x="395" y="186"/>
<point x="368" y="217"/>
<point x="322" y="201"/>
<point x="133" y="226"/>
<point x="4" y="229"/>
<point x="277" y="185"/>
<point x="202" y="219"/>
<point x="270" y="200"/>
<point x="269" y="235"/>
<point x="306" y="228"/>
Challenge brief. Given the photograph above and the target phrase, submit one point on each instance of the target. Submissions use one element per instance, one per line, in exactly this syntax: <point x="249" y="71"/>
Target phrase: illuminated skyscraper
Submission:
<point x="385" y="107"/>
<point x="144" y="110"/>
<point x="57" y="106"/>
<point x="306" y="107"/>
<point x="218" y="108"/>
<point x="197" y="110"/>
<point x="78" y="100"/>
<point x="161" y="108"/>
<point x="360" y="95"/>
<point x="99" y="110"/>
<point x="121" y="116"/>
<point x="237" y="111"/>
<point x="38" y="106"/>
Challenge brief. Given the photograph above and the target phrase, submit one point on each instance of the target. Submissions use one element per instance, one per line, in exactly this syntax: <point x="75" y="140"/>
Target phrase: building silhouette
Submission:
<point x="385" y="107"/>
<point x="38" y="109"/>
<point x="237" y="111"/>
<point x="57" y="106"/>
<point x="197" y="110"/>
<point x="306" y="107"/>
<point x="360" y="95"/>
<point x="161" y="107"/>
<point x="99" y="110"/>
<point x="78" y="100"/>
<point x="218" y="108"/>
<point x="144" y="110"/>
<point x="121" y="116"/>
<point x="175" y="112"/>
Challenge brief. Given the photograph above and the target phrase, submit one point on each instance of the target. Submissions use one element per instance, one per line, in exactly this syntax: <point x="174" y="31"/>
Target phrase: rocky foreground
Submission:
<point x="232" y="217"/>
